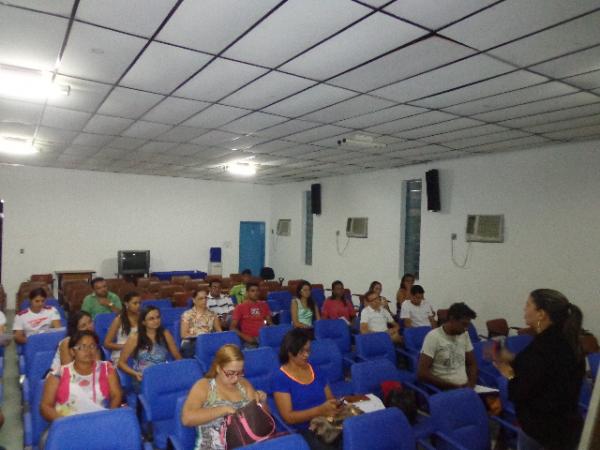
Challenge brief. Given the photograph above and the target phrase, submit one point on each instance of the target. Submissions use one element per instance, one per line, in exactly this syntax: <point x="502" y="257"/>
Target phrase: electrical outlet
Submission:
<point x="453" y="236"/>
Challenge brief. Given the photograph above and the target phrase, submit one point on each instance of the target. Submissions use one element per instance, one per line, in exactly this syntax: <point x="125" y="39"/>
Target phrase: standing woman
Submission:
<point x="546" y="377"/>
<point x="196" y="321"/>
<point x="304" y="309"/>
<point x="123" y="325"/>
<point x="148" y="347"/>
<point x="406" y="283"/>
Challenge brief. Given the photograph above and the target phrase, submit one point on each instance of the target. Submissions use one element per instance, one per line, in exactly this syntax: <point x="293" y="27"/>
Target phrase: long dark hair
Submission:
<point x="144" y="342"/>
<point x="73" y="322"/>
<point x="564" y="314"/>
<point x="339" y="283"/>
<point x="125" y="324"/>
<point x="403" y="280"/>
<point x="292" y="343"/>
<point x="310" y="302"/>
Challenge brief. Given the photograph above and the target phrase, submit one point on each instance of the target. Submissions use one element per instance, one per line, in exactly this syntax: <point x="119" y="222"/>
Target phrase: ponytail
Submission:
<point x="572" y="329"/>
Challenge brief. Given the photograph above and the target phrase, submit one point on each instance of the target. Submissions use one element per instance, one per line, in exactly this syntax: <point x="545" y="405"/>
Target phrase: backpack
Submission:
<point x="395" y="396"/>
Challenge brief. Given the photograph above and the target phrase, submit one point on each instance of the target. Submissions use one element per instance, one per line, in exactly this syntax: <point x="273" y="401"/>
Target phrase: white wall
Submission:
<point x="68" y="220"/>
<point x="551" y="201"/>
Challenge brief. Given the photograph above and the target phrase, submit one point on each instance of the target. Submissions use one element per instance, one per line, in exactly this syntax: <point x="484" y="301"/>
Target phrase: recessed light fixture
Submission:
<point x="17" y="146"/>
<point x="360" y="140"/>
<point x="241" y="169"/>
<point x="29" y="84"/>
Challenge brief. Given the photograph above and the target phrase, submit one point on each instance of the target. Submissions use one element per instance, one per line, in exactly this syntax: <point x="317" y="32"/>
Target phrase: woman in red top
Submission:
<point x="336" y="306"/>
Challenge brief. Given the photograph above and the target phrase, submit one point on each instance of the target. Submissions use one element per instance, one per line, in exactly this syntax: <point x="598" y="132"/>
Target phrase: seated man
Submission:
<point x="447" y="359"/>
<point x="101" y="301"/>
<point x="417" y="312"/>
<point x="249" y="317"/>
<point x="374" y="319"/>
<point x="239" y="290"/>
<point x="221" y="305"/>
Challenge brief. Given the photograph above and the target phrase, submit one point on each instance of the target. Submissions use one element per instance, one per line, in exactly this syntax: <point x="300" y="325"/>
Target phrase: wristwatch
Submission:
<point x="111" y="304"/>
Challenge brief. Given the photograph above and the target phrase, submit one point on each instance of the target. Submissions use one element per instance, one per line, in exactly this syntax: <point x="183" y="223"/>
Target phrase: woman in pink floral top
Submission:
<point x="196" y="321"/>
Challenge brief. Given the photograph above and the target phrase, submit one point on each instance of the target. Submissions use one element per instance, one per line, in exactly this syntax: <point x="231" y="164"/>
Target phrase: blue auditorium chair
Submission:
<point x="289" y="442"/>
<point x="181" y="437"/>
<point x="373" y="346"/>
<point x="325" y="356"/>
<point x="259" y="366"/>
<point x="208" y="344"/>
<point x="338" y="331"/>
<point x="271" y="336"/>
<point x="102" y="323"/>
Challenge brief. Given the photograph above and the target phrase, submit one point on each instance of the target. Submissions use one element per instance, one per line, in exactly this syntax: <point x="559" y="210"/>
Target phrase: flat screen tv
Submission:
<point x="134" y="261"/>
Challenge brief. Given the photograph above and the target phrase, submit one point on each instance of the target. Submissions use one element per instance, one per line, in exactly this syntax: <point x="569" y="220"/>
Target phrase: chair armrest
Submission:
<point x="145" y="407"/>
<point x="349" y="360"/>
<point x="415" y="388"/>
<point x="148" y="446"/>
<point x="27" y="430"/>
<point x="503" y="423"/>
<point x="360" y="358"/>
<point x="405" y="352"/>
<point x="26" y="391"/>
<point x="21" y="365"/>
<point x="454" y="443"/>
<point x="174" y="442"/>
<point x="279" y="422"/>
<point x="424" y="444"/>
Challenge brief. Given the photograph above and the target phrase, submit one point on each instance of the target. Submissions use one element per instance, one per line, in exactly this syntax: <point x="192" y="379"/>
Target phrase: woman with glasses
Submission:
<point x="84" y="385"/>
<point x="301" y="392"/>
<point x="222" y="390"/>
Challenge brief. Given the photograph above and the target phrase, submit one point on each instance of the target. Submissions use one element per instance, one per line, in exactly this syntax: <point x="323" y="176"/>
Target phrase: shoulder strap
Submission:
<point x="64" y="383"/>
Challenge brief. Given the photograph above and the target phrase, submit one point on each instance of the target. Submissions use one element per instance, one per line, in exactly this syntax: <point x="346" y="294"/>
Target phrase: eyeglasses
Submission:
<point x="233" y="373"/>
<point x="305" y="351"/>
<point x="83" y="347"/>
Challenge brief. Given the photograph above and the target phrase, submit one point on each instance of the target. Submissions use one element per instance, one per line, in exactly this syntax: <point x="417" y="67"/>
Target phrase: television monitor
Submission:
<point x="134" y="261"/>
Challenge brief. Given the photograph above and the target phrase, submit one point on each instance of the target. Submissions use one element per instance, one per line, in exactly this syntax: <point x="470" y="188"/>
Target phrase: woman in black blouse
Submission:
<point x="546" y="377"/>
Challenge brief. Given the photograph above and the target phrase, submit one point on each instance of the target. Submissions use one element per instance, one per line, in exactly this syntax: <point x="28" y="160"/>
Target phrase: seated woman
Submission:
<point x="196" y="321"/>
<point x="374" y="318"/>
<point x="148" y="347"/>
<point x="80" y="321"/>
<point x="377" y="287"/>
<point x="337" y="306"/>
<point x="304" y="309"/>
<point x="301" y="392"/>
<point x="123" y="325"/>
<point x="83" y="385"/>
<point x="222" y="390"/>
<point x="38" y="318"/>
<point x="403" y="294"/>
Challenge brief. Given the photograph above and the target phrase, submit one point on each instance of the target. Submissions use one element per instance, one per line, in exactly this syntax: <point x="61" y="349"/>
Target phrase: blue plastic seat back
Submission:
<point x="48" y="302"/>
<point x="259" y="366"/>
<point x="375" y="346"/>
<point x="120" y="430"/>
<point x="169" y="316"/>
<point x="271" y="336"/>
<point x="285" y="316"/>
<point x="163" y="384"/>
<point x="386" y="429"/>
<point x="283" y="299"/>
<point x="367" y="376"/>
<point x="414" y="337"/>
<point x="318" y="295"/>
<point x="40" y="343"/>
<point x="594" y="362"/>
<point x="336" y="330"/>
<point x="208" y="344"/>
<point x="186" y="436"/>
<point x="161" y="304"/>
<point x="325" y="355"/>
<point x="473" y="335"/>
<point x="102" y="323"/>
<point x="38" y="423"/>
<point x="175" y="330"/>
<point x="460" y="414"/>
<point x="516" y="344"/>
<point x="39" y="366"/>
<point x="289" y="442"/>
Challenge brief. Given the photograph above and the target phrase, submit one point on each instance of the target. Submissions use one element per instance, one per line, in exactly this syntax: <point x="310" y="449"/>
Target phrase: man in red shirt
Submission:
<point x="249" y="317"/>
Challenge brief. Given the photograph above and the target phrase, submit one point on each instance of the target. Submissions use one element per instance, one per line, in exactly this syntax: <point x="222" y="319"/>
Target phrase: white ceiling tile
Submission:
<point x="241" y="143"/>
<point x="294" y="27"/>
<point x="55" y="135"/>
<point x="266" y="90"/>
<point x="411" y="122"/>
<point x="541" y="106"/>
<point x="373" y="36"/>
<point x="485" y="139"/>
<point x="434" y="13"/>
<point x="381" y="116"/>
<point x="573" y="64"/>
<point x="512" y="19"/>
<point x="444" y="127"/>
<point x="211" y="25"/>
<point x="62" y="7"/>
<point x="590" y="80"/>
<point x="92" y="140"/>
<point x="83" y="95"/>
<point x="129" y="103"/>
<point x="133" y="16"/>
<point x="458" y="74"/>
<point x="363" y="104"/>
<point x="97" y="54"/>
<point x="64" y="118"/>
<point x="575" y="133"/>
<point x="287" y="128"/>
<point x="296" y="151"/>
<point x="156" y="147"/>
<point x="107" y="124"/>
<point x="423" y="55"/>
<point x="553" y="116"/>
<point x="518" y="97"/>
<point x="146" y="130"/>
<point x="181" y="134"/>
<point x="428" y="149"/>
<point x="452" y="154"/>
<point x="126" y="143"/>
<point x="318" y="133"/>
<point x="29" y="39"/>
<point x="271" y="146"/>
<point x="220" y="78"/>
<point x="460" y="133"/>
<point x="512" y="144"/>
<point x="21" y="112"/>
<point x="215" y="137"/>
<point x="574" y="35"/>
<point x="110" y="153"/>
<point x="162" y="68"/>
<point x="313" y="98"/>
<point x="565" y="124"/>
<point x="185" y="150"/>
<point x="174" y="110"/>
<point x="81" y="150"/>
<point x="253" y="122"/>
<point x="215" y="116"/>
<point x="497" y="85"/>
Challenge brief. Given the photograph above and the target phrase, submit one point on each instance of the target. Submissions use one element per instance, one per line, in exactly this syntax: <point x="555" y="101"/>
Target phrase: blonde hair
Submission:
<point x="226" y="354"/>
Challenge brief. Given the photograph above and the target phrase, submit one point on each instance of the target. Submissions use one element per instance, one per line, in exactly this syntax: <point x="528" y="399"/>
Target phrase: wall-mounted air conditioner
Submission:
<point x="485" y="228"/>
<point x="357" y="227"/>
<point x="284" y="227"/>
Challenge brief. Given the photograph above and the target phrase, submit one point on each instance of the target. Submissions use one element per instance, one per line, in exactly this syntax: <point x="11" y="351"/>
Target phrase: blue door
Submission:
<point x="252" y="246"/>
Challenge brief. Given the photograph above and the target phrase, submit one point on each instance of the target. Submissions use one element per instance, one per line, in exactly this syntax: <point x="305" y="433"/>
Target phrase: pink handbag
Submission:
<point x="249" y="424"/>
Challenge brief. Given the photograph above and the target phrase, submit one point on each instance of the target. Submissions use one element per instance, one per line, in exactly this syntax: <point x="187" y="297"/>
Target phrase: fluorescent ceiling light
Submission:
<point x="29" y="84"/>
<point x="242" y="169"/>
<point x="361" y="140"/>
<point x="17" y="146"/>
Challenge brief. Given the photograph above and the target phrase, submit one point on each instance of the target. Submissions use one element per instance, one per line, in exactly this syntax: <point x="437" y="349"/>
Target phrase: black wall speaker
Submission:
<point x="315" y="198"/>
<point x="432" y="179"/>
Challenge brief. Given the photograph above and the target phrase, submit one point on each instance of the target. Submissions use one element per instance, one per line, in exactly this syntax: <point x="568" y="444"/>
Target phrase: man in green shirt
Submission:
<point x="101" y="301"/>
<point x="239" y="290"/>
